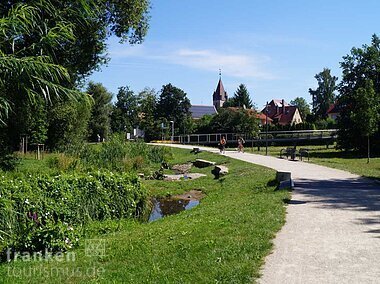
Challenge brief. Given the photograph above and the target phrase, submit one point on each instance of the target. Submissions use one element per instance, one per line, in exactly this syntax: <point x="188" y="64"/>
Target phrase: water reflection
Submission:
<point x="164" y="206"/>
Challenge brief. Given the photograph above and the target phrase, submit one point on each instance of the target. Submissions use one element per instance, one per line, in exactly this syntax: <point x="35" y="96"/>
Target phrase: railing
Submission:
<point x="271" y="136"/>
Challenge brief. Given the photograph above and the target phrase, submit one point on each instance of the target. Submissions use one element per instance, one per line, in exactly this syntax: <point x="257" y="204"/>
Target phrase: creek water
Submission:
<point x="164" y="206"/>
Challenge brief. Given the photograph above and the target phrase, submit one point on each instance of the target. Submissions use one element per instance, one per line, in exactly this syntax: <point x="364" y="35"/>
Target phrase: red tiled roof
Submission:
<point x="287" y="117"/>
<point x="333" y="108"/>
<point x="262" y="116"/>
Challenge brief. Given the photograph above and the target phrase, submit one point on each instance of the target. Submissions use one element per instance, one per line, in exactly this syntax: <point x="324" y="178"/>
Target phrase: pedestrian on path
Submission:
<point x="240" y="142"/>
<point x="222" y="145"/>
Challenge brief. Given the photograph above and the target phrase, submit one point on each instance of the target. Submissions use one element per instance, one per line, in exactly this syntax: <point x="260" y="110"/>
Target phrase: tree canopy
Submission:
<point x="47" y="47"/>
<point x="173" y="105"/>
<point x="302" y="105"/>
<point x="360" y="97"/>
<point x="323" y="96"/>
<point x="241" y="98"/>
<point x="89" y="22"/>
<point x="124" y="112"/>
<point x="99" y="123"/>
<point x="235" y="121"/>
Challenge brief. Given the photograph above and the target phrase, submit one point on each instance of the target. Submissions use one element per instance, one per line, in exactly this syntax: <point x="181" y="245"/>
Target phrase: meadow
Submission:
<point x="224" y="239"/>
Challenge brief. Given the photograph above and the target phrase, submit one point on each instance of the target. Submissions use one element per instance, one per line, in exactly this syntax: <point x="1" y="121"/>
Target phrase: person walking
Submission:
<point x="240" y="144"/>
<point x="222" y="144"/>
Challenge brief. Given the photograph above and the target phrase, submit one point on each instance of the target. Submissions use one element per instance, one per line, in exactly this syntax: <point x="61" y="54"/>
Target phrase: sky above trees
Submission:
<point x="275" y="48"/>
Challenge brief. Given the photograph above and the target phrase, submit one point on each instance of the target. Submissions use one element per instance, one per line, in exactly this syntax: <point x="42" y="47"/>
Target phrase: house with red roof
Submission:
<point x="333" y="111"/>
<point x="282" y="113"/>
<point x="263" y="119"/>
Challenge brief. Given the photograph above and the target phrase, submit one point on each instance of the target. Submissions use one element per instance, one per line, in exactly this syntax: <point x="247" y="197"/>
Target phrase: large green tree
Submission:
<point x="231" y="120"/>
<point x="359" y="97"/>
<point x="173" y="105"/>
<point x="26" y="77"/>
<point x="99" y="123"/>
<point x="91" y="22"/>
<point x="147" y="120"/>
<point x="47" y="46"/>
<point x="323" y="96"/>
<point x="124" y="116"/>
<point x="68" y="124"/>
<point x="302" y="106"/>
<point x="241" y="98"/>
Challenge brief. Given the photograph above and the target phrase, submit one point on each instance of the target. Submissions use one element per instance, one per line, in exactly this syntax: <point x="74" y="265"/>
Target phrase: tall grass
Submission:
<point x="114" y="155"/>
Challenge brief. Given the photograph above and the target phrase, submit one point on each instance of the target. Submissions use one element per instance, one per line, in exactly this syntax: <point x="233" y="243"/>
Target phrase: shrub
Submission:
<point x="40" y="212"/>
<point x="8" y="162"/>
<point x="118" y="155"/>
<point x="62" y="162"/>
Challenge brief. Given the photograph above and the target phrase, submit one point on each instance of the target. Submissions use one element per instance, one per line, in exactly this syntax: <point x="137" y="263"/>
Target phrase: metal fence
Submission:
<point x="271" y="136"/>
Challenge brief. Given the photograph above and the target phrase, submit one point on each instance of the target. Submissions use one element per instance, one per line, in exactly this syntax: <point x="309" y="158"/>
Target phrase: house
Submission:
<point x="333" y="111"/>
<point x="264" y="119"/>
<point x="198" y="111"/>
<point x="282" y="113"/>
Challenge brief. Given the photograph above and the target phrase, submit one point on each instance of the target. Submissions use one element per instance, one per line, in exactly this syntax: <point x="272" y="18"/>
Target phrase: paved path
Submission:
<point x="332" y="230"/>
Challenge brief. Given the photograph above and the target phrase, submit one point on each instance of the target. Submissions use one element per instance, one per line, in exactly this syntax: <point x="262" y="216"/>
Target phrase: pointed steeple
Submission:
<point x="220" y="95"/>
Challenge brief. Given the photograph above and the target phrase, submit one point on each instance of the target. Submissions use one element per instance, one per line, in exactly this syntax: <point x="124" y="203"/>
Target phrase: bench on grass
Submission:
<point x="289" y="152"/>
<point x="303" y="152"/>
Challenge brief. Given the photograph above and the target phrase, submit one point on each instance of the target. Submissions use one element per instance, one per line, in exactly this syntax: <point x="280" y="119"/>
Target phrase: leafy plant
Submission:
<point x="41" y="212"/>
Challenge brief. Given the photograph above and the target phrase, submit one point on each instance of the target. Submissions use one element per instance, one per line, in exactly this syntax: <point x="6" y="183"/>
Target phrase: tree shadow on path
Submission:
<point x="345" y="194"/>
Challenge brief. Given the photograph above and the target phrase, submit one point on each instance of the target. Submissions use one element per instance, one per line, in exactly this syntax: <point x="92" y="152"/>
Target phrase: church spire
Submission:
<point x="220" y="95"/>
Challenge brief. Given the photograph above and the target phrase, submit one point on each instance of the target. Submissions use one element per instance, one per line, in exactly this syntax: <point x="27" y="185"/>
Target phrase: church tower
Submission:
<point x="220" y="95"/>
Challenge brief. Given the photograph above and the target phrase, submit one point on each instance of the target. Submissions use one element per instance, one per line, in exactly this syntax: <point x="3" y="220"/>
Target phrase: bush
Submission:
<point x="8" y="162"/>
<point x="40" y="212"/>
<point x="118" y="155"/>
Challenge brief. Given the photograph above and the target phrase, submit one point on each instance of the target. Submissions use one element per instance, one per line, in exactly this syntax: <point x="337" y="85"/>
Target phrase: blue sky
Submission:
<point x="275" y="48"/>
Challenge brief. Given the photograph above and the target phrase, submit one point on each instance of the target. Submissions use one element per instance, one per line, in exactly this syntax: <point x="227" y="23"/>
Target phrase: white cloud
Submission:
<point x="232" y="64"/>
<point x="237" y="65"/>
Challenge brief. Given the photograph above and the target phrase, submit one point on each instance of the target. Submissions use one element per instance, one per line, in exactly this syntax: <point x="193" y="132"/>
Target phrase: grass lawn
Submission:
<point x="222" y="240"/>
<point x="348" y="161"/>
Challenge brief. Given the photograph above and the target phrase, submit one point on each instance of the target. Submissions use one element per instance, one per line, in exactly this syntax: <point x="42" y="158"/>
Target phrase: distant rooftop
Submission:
<point x="197" y="111"/>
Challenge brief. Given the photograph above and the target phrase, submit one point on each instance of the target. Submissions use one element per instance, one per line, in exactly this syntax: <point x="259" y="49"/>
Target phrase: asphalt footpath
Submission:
<point x="332" y="229"/>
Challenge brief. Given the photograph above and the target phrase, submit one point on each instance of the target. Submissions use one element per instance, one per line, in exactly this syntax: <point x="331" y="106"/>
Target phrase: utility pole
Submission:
<point x="172" y="122"/>
<point x="266" y="125"/>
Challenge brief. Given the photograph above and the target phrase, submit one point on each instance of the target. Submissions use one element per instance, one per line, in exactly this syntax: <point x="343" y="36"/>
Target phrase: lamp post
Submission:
<point x="266" y="133"/>
<point x="172" y="122"/>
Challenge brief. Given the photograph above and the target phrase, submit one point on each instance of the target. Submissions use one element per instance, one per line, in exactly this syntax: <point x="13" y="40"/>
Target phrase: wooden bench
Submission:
<point x="289" y="152"/>
<point x="303" y="152"/>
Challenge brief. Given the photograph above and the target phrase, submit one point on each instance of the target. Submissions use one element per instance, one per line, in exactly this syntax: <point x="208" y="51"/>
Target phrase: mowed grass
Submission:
<point x="348" y="161"/>
<point x="222" y="240"/>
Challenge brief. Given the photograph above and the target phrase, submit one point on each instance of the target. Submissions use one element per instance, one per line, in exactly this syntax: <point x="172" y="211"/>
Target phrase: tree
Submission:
<point x="235" y="121"/>
<point x="124" y="116"/>
<point x="47" y="46"/>
<point x="240" y="99"/>
<point x="68" y="124"/>
<point x="91" y="23"/>
<point x="324" y="95"/>
<point x="359" y="98"/>
<point x="147" y="104"/>
<point x="25" y="77"/>
<point x="173" y="105"/>
<point x="99" y="123"/>
<point x="302" y="105"/>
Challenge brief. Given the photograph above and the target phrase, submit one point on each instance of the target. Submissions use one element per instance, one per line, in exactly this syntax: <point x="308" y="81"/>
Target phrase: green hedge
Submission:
<point x="44" y="212"/>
